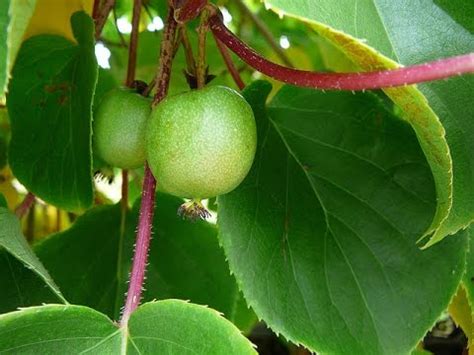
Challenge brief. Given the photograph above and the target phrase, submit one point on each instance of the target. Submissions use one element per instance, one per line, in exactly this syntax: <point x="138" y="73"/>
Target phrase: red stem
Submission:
<point x="145" y="221"/>
<point x="142" y="245"/>
<point x="440" y="69"/>
<point x="230" y="64"/>
<point x="188" y="9"/>
<point x="25" y="205"/>
<point x="96" y="8"/>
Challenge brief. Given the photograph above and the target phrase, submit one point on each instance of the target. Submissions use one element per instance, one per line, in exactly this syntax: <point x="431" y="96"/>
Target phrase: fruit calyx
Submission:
<point x="193" y="210"/>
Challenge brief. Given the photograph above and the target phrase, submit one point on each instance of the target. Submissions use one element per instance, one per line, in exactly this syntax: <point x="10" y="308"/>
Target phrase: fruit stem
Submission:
<point x="25" y="205"/>
<point x="100" y="13"/>
<point x="188" y="51"/>
<point x="201" y="62"/>
<point x="230" y="64"/>
<point x="166" y="59"/>
<point x="145" y="221"/>
<point x="124" y="200"/>
<point x="132" y="49"/>
<point x="440" y="69"/>
<point x="267" y="35"/>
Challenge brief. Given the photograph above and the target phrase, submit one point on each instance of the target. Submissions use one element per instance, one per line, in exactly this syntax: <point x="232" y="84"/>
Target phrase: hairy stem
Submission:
<point x="436" y="70"/>
<point x="230" y="64"/>
<point x="137" y="275"/>
<point x="262" y="27"/>
<point x="25" y="205"/>
<point x="166" y="59"/>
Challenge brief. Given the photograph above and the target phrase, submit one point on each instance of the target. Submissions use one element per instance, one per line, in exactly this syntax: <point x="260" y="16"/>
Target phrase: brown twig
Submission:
<point x="120" y="34"/>
<point x="262" y="27"/>
<point x="166" y="58"/>
<point x="96" y="8"/>
<point x="152" y="83"/>
<point x="230" y="64"/>
<point x="188" y="51"/>
<point x="101" y="15"/>
<point x="25" y="205"/>
<point x="132" y="49"/>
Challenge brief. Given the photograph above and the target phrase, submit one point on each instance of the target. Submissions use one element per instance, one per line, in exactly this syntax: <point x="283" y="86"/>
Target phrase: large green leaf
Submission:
<point x="49" y="104"/>
<point x="410" y="32"/>
<point x="177" y="327"/>
<point x="322" y="234"/>
<point x="12" y="239"/>
<point x="14" y="17"/>
<point x="171" y="327"/>
<point x="185" y="262"/>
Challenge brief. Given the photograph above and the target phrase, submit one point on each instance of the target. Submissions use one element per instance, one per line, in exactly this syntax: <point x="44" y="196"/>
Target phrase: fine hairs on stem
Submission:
<point x="142" y="244"/>
<point x="440" y="69"/>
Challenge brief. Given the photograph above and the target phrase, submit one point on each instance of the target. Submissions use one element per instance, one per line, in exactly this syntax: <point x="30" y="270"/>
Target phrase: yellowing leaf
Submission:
<point x="53" y="17"/>
<point x="7" y="189"/>
<point x="461" y="312"/>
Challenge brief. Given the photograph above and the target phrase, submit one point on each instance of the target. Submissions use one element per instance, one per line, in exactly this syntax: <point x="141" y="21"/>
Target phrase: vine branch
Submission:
<point x="145" y="221"/>
<point x="440" y="69"/>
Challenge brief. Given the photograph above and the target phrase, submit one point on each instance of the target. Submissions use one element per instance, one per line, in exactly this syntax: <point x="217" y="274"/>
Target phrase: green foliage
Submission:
<point x="328" y="211"/>
<point x="172" y="327"/>
<point x="322" y="238"/>
<point x="394" y="37"/>
<point x="49" y="102"/>
<point x="91" y="263"/>
<point x="15" y="243"/>
<point x="14" y="17"/>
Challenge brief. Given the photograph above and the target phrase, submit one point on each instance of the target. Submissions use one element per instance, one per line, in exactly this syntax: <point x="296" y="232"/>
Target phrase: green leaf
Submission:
<point x="50" y="111"/>
<point x="185" y="262"/>
<point x="171" y="327"/>
<point x="468" y="279"/>
<point x="396" y="31"/>
<point x="3" y="201"/>
<point x="338" y="195"/>
<point x="14" y="17"/>
<point x="4" y="21"/>
<point x="15" y="243"/>
<point x="56" y="329"/>
<point x="178" y="327"/>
